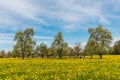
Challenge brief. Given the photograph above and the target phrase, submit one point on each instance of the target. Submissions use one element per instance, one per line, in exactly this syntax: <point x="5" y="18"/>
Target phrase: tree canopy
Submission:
<point x="24" y="42"/>
<point x="99" y="41"/>
<point x="59" y="45"/>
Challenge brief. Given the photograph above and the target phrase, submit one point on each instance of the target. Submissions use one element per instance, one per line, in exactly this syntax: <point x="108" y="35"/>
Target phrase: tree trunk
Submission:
<point x="91" y="56"/>
<point x="100" y="56"/>
<point x="60" y="54"/>
<point x="42" y="56"/>
<point x="84" y="55"/>
<point x="77" y="54"/>
<point x="22" y="55"/>
<point x="23" y="51"/>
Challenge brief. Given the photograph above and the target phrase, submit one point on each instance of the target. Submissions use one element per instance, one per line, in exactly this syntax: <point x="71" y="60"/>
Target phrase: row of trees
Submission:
<point x="25" y="46"/>
<point x="98" y="43"/>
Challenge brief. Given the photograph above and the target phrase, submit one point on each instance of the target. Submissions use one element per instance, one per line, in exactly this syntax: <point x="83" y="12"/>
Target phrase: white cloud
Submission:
<point x="6" y="35"/>
<point x="40" y="37"/>
<point x="70" y="12"/>
<point x="70" y="27"/>
<point x="6" y="38"/>
<point x="6" y="42"/>
<point x="115" y="39"/>
<point x="83" y="44"/>
<point x="21" y="8"/>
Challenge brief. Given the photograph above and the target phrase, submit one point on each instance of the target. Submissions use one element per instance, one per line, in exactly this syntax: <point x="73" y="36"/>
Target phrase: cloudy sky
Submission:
<point x="47" y="17"/>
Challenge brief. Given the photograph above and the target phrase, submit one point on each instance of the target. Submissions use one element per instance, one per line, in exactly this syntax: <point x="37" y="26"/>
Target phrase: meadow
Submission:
<point x="107" y="68"/>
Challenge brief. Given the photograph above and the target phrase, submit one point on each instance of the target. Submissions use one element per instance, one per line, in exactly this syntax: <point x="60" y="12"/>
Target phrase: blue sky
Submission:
<point x="47" y="17"/>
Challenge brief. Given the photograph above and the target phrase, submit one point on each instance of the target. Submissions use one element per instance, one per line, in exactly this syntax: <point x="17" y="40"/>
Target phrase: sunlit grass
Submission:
<point x="63" y="69"/>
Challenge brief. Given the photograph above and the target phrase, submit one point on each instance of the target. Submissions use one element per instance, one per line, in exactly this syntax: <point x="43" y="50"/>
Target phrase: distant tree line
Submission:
<point x="99" y="43"/>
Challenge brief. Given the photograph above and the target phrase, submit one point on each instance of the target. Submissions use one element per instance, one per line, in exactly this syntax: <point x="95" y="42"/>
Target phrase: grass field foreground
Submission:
<point x="107" y="68"/>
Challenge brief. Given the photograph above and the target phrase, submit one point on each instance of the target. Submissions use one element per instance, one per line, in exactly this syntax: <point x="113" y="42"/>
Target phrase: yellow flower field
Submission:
<point x="107" y="68"/>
